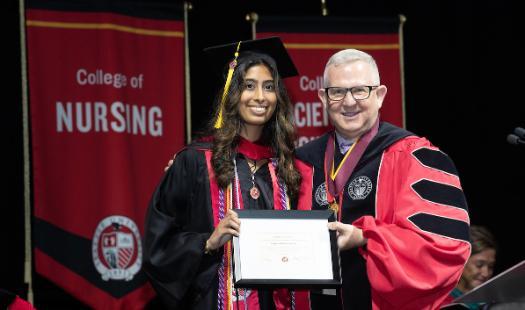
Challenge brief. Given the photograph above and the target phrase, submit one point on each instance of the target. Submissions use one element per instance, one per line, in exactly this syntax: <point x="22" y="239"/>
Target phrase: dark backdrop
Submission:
<point x="463" y="92"/>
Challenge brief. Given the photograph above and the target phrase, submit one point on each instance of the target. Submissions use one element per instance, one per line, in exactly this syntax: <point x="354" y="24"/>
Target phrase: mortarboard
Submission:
<point x="222" y="54"/>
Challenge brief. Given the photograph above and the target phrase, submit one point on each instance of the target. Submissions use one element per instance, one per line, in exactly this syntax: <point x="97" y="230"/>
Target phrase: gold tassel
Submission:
<point x="233" y="64"/>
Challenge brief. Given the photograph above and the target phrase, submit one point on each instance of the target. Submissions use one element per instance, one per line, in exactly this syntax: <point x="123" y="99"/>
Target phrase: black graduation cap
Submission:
<point x="221" y="55"/>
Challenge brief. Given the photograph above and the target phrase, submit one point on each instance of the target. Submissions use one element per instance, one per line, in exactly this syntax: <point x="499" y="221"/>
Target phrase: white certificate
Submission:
<point x="285" y="248"/>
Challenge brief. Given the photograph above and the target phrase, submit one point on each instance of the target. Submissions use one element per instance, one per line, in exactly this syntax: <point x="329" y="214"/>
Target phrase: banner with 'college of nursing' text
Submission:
<point x="311" y="42"/>
<point x="106" y="112"/>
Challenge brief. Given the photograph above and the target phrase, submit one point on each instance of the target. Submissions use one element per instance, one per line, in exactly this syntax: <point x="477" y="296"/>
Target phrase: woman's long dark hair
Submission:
<point x="278" y="132"/>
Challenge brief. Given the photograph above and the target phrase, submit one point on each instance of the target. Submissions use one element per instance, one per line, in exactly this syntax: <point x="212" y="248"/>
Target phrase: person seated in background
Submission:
<point x="480" y="265"/>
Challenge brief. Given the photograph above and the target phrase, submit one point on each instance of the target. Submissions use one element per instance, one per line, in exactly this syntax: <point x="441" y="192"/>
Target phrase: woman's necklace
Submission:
<point x="254" y="191"/>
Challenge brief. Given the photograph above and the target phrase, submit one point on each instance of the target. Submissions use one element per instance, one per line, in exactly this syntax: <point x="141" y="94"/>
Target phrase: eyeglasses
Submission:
<point x="358" y="92"/>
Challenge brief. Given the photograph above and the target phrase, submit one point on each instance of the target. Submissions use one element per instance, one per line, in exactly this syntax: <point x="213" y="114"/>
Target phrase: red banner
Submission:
<point x="311" y="42"/>
<point x="106" y="110"/>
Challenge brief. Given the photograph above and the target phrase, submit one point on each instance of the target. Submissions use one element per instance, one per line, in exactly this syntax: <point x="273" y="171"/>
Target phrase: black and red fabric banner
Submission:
<point x="311" y="42"/>
<point x="106" y="97"/>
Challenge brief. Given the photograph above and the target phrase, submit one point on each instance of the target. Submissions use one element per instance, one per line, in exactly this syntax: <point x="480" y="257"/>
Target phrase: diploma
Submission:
<point x="285" y="249"/>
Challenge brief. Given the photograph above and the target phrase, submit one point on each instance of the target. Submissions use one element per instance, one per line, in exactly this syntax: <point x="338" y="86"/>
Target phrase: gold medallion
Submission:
<point x="334" y="206"/>
<point x="254" y="192"/>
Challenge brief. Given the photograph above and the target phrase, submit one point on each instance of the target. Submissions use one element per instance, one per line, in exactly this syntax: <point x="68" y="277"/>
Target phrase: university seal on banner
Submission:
<point x="320" y="195"/>
<point x="360" y="187"/>
<point x="116" y="248"/>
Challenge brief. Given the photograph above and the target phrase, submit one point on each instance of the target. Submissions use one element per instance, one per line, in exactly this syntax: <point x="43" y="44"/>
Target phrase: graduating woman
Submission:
<point x="246" y="163"/>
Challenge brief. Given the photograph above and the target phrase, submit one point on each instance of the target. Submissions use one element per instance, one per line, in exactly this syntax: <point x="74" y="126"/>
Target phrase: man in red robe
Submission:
<point x="403" y="222"/>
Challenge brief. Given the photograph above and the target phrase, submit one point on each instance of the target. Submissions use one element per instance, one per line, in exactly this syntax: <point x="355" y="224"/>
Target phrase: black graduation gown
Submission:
<point x="178" y="223"/>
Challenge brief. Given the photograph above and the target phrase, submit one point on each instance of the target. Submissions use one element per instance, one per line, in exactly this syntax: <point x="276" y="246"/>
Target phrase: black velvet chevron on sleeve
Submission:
<point x="443" y="194"/>
<point x="435" y="159"/>
<point x="447" y="227"/>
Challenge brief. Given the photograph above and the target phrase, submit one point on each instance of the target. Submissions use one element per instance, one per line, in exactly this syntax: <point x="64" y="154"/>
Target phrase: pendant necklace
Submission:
<point x="254" y="191"/>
